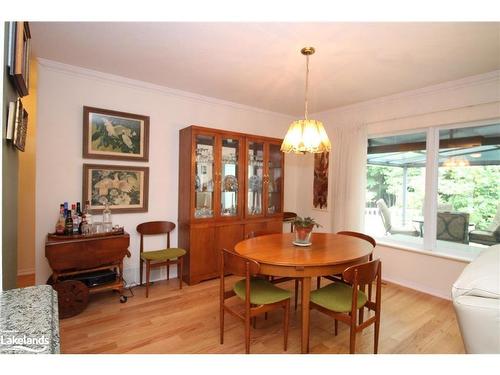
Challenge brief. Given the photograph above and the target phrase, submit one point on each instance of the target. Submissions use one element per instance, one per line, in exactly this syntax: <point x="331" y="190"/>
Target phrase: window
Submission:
<point x="396" y="187"/>
<point x="465" y="206"/>
<point x="468" y="189"/>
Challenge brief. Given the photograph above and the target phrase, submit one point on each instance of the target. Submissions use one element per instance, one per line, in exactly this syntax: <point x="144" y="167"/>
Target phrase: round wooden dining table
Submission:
<point x="328" y="254"/>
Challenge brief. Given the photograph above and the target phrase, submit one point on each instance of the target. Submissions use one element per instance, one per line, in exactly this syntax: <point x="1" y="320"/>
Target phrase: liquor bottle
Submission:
<point x="60" y="225"/>
<point x="75" y="218"/>
<point x="88" y="215"/>
<point x="106" y="218"/>
<point x="83" y="227"/>
<point x="78" y="209"/>
<point x="68" y="224"/>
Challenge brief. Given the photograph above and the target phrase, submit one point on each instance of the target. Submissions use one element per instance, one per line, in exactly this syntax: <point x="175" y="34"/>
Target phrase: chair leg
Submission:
<point x="296" y="292"/>
<point x="318" y="282"/>
<point x="377" y="330"/>
<point x="221" y="323"/>
<point x="168" y="269"/>
<point x="140" y="271"/>
<point x="286" y="319"/>
<point x="247" y="334"/>
<point x="148" y="270"/>
<point x="180" y="265"/>
<point x="352" y="341"/>
<point x="336" y="327"/>
<point x="362" y="310"/>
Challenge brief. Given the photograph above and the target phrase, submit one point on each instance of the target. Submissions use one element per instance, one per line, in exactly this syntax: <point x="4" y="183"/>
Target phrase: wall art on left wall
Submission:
<point x="17" y="125"/>
<point x="125" y="188"/>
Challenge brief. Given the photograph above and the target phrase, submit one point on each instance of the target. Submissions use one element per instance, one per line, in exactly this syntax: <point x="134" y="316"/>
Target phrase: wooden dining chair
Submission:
<point x="258" y="294"/>
<point x="342" y="301"/>
<point x="338" y="277"/>
<point x="159" y="258"/>
<point x="273" y="279"/>
<point x="289" y="217"/>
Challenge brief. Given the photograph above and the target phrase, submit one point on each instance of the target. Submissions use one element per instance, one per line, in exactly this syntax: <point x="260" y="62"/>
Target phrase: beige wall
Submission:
<point x="26" y="187"/>
<point x="64" y="90"/>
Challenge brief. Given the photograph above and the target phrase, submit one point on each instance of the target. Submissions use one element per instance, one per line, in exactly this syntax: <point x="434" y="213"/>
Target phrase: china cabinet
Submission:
<point x="230" y="184"/>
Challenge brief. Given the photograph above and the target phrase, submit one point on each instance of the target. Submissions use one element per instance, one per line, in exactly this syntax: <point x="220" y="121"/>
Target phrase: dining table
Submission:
<point x="328" y="254"/>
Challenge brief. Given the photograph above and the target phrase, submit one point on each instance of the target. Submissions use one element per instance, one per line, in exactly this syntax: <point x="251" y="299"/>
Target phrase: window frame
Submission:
<point x="429" y="244"/>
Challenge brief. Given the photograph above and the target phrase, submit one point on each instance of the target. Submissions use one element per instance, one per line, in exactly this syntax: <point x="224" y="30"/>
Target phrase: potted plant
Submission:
<point x="303" y="228"/>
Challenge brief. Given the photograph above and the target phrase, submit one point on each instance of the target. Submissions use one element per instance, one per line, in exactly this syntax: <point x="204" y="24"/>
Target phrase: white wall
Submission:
<point x="470" y="99"/>
<point x="62" y="92"/>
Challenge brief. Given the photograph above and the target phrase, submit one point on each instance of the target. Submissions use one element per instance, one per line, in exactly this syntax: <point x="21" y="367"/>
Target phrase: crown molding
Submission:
<point x="132" y="83"/>
<point x="475" y="80"/>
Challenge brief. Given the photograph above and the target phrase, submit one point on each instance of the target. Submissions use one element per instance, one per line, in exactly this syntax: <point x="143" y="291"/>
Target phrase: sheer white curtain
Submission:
<point x="349" y="150"/>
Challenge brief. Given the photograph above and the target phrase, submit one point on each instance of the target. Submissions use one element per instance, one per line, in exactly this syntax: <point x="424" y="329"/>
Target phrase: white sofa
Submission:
<point x="476" y="298"/>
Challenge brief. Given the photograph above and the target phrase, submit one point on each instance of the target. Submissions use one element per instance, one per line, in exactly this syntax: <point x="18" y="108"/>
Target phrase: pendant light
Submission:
<point x="306" y="135"/>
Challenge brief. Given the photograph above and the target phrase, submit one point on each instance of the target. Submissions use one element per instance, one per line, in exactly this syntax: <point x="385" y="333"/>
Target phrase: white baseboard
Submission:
<point x="420" y="288"/>
<point x="131" y="275"/>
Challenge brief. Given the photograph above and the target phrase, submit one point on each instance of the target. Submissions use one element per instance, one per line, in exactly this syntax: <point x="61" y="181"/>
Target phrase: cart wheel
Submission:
<point x="73" y="297"/>
<point x="123" y="299"/>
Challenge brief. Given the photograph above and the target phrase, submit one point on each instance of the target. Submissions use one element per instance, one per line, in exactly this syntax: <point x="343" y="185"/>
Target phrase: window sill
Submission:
<point x="414" y="249"/>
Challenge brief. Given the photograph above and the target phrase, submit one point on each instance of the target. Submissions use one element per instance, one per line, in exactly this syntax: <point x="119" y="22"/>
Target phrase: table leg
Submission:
<point x="306" y="291"/>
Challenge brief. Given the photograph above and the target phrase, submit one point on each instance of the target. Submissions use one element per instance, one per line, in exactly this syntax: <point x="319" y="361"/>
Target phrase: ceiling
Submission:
<point x="259" y="64"/>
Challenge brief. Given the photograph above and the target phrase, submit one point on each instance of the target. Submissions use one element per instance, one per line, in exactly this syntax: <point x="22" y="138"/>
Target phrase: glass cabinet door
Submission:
<point x="274" y="179"/>
<point x="229" y="177"/>
<point x="255" y="175"/>
<point x="204" y="176"/>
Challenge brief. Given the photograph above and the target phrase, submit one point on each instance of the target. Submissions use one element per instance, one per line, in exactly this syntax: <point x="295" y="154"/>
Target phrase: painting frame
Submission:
<point x="129" y="125"/>
<point x="18" y="56"/>
<point x="20" y="126"/>
<point x="89" y="189"/>
<point x="320" y="181"/>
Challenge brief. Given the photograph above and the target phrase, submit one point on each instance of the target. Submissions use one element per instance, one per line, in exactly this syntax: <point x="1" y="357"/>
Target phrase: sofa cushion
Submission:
<point x="481" y="277"/>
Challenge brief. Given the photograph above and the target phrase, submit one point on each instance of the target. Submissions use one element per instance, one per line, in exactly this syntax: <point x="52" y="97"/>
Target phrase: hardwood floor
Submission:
<point x="187" y="321"/>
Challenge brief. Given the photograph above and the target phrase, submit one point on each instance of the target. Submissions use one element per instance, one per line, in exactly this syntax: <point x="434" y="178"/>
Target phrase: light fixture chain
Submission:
<point x="307" y="86"/>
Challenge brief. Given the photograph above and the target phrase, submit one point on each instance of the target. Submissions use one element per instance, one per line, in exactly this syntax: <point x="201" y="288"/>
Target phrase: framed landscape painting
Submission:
<point x="115" y="135"/>
<point x="125" y="188"/>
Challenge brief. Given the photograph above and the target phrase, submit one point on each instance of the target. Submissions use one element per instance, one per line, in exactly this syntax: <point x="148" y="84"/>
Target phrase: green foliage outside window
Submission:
<point x="472" y="189"/>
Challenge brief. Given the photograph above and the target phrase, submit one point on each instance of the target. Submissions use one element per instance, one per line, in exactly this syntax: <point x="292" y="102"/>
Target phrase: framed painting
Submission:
<point x="125" y="188"/>
<point x="320" y="183"/>
<point x="20" y="126"/>
<point x="115" y="135"/>
<point x="18" y="55"/>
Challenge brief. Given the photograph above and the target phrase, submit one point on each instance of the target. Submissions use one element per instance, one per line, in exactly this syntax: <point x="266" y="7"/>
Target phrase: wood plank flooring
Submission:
<point x="187" y="321"/>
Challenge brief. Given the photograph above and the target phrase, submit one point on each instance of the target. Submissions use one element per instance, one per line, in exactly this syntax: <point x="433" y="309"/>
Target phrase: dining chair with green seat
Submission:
<point x="338" y="277"/>
<point x="259" y="295"/>
<point x="276" y="280"/>
<point x="159" y="258"/>
<point x="342" y="301"/>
